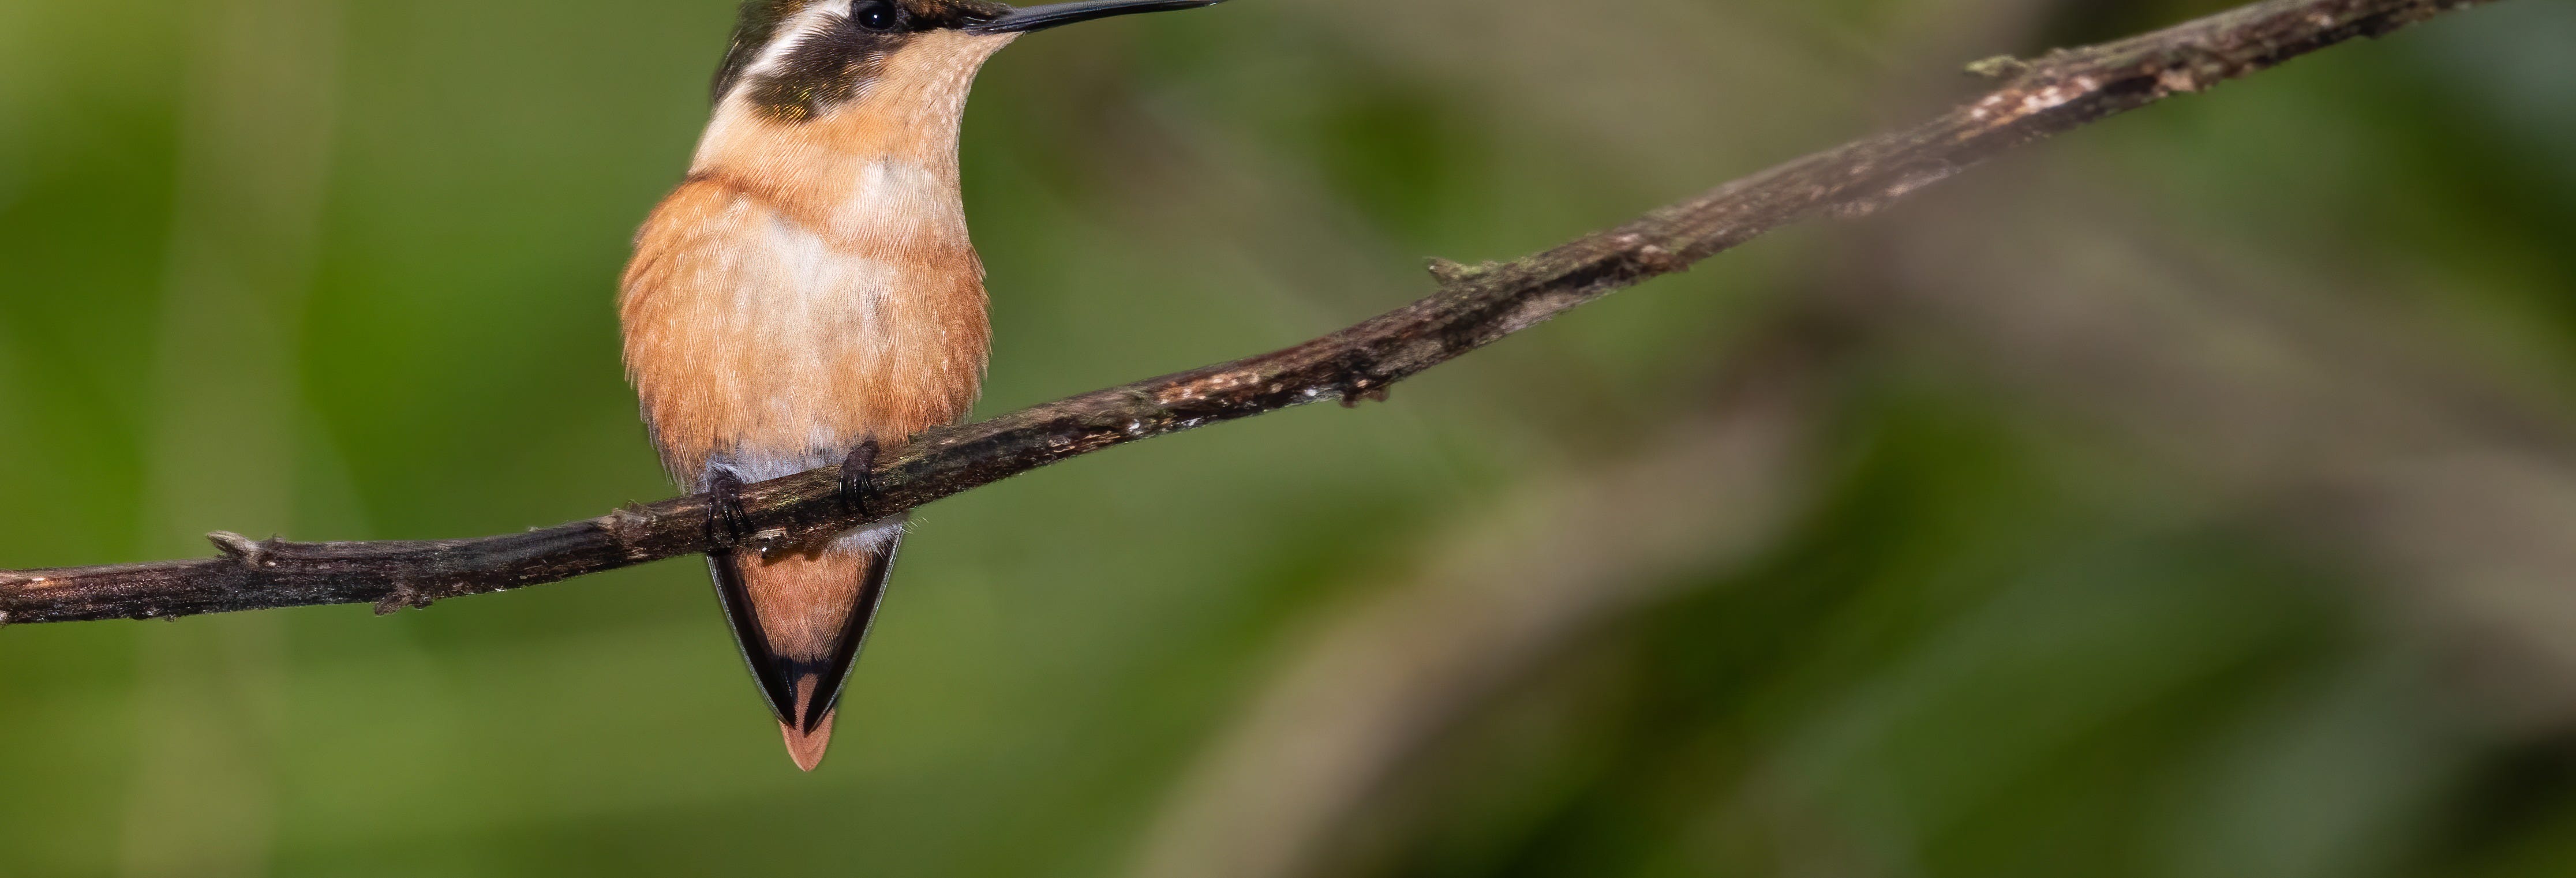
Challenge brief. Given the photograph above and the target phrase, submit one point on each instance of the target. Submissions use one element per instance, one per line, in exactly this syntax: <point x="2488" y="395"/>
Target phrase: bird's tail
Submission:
<point x="800" y="619"/>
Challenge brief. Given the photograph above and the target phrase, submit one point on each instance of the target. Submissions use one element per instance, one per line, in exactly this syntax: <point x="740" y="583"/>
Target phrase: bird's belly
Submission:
<point x="764" y="348"/>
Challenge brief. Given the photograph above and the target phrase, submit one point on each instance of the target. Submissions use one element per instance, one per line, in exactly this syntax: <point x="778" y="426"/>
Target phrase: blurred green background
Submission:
<point x="2191" y="496"/>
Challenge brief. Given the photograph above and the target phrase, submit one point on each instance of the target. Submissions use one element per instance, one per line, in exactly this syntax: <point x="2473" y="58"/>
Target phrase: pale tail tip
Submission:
<point x="807" y="747"/>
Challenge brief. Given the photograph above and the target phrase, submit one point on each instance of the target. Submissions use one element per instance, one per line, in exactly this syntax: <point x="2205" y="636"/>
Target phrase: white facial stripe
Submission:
<point x="808" y="22"/>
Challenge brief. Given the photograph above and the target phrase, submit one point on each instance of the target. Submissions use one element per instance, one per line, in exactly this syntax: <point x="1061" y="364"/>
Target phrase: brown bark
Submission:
<point x="1473" y="307"/>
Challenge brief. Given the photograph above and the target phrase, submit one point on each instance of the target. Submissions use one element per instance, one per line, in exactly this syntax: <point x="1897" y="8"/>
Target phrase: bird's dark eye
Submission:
<point x="876" y="15"/>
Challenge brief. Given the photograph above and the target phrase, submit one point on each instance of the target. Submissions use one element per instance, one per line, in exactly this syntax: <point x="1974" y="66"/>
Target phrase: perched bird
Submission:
<point x="808" y="296"/>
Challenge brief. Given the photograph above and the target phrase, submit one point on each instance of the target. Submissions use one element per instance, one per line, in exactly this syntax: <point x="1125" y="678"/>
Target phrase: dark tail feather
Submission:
<point x="800" y="677"/>
<point x="854" y="631"/>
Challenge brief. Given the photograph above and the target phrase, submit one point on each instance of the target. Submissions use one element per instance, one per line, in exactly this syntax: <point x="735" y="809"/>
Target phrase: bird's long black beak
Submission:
<point x="1029" y="18"/>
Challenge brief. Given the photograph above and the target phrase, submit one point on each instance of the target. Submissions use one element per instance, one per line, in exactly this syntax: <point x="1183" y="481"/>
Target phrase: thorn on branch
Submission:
<point x="2193" y="69"/>
<point x="626" y="525"/>
<point x="1362" y="389"/>
<point x="404" y="596"/>
<point x="253" y="555"/>
<point x="1453" y="272"/>
<point x="1999" y="67"/>
<point x="771" y="542"/>
<point x="1650" y="258"/>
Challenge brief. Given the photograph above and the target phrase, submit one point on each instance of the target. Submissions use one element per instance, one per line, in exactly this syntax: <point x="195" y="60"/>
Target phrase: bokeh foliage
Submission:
<point x="344" y="270"/>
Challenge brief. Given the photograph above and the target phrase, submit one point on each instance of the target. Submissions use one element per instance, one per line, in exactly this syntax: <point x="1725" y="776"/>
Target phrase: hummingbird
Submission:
<point x="808" y="296"/>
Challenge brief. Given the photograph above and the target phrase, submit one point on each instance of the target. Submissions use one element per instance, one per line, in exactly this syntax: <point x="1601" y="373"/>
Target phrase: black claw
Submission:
<point x="859" y="477"/>
<point x="727" y="524"/>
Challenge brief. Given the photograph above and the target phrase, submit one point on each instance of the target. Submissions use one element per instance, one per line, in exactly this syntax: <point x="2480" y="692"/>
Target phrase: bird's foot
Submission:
<point x="859" y="477"/>
<point x="727" y="524"/>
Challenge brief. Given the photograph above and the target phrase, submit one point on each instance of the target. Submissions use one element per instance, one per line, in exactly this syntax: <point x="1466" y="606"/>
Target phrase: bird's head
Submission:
<point x="798" y="60"/>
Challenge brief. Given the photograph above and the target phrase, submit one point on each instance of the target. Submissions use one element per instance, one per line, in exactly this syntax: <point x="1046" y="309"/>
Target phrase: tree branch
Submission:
<point x="1473" y="307"/>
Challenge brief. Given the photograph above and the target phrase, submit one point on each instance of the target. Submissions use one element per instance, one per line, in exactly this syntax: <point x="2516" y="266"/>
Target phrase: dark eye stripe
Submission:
<point x="833" y="65"/>
<point x="825" y="68"/>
